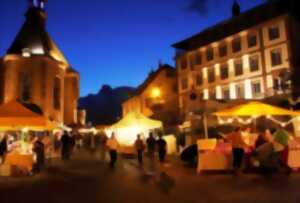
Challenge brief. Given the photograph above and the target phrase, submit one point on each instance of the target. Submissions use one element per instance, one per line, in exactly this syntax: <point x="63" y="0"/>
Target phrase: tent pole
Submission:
<point x="205" y="126"/>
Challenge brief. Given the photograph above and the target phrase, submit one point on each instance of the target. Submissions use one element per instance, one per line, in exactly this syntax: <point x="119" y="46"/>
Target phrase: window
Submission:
<point x="226" y="93"/>
<point x="254" y="63"/>
<point x="236" y="45"/>
<point x="25" y="87"/>
<point x="224" y="71"/>
<point x="252" y="40"/>
<point x="240" y="91"/>
<point x="276" y="58"/>
<point x="209" y="54"/>
<point x="198" y="58"/>
<point x="192" y="61"/>
<point x="211" y="74"/>
<point x="201" y="95"/>
<point x="57" y="93"/>
<point x="184" y="83"/>
<point x="199" y="79"/>
<point x="183" y="63"/>
<point x="238" y="68"/>
<point x="274" y="33"/>
<point x="222" y="50"/>
<point x="256" y="88"/>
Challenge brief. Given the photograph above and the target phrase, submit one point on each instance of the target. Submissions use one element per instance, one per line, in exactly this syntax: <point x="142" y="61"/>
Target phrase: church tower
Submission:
<point x="35" y="71"/>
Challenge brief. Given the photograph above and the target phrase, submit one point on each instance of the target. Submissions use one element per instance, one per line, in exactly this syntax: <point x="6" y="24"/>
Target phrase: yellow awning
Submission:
<point x="256" y="109"/>
<point x="14" y="116"/>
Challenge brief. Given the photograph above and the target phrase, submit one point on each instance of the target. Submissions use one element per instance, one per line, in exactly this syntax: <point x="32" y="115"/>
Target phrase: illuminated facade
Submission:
<point x="156" y="97"/>
<point x="248" y="57"/>
<point x="35" y="71"/>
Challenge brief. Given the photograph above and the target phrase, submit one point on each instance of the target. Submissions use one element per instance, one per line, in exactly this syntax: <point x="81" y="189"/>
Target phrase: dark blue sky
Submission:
<point x="116" y="42"/>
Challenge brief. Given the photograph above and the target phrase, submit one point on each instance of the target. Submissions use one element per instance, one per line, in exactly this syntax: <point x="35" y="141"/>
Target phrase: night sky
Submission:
<point x="118" y="42"/>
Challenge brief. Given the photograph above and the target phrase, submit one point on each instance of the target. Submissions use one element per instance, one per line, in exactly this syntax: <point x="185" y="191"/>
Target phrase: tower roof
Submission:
<point x="33" y="37"/>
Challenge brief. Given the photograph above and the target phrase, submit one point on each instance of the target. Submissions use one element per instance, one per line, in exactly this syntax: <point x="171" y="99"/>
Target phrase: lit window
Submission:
<point x="236" y="45"/>
<point x="274" y="33"/>
<point x="252" y="40"/>
<point x="238" y="67"/>
<point x="254" y="63"/>
<point x="26" y="52"/>
<point x="211" y="75"/>
<point x="224" y="71"/>
<point x="222" y="50"/>
<point x="209" y="54"/>
<point x="276" y="58"/>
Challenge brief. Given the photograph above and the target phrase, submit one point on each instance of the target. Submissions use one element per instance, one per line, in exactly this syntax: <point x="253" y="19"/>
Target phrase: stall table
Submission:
<point x="23" y="162"/>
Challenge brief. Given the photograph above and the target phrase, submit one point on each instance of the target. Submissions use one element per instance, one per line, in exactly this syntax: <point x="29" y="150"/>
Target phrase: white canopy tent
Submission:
<point x="127" y="129"/>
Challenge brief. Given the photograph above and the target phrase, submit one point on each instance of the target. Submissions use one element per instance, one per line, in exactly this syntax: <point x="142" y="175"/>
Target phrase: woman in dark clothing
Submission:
<point x="162" y="149"/>
<point x="66" y="145"/>
<point x="39" y="150"/>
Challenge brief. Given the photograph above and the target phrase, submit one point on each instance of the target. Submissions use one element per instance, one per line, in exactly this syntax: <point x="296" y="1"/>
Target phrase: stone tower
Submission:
<point x="35" y="71"/>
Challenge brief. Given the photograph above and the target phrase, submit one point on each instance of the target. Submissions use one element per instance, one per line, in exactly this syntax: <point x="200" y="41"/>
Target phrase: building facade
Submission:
<point x="156" y="97"/>
<point x="248" y="57"/>
<point x="35" y="71"/>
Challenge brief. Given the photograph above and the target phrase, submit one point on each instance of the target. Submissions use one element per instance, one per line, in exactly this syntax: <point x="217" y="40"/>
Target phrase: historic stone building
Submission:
<point x="252" y="56"/>
<point x="35" y="71"/>
<point x="157" y="96"/>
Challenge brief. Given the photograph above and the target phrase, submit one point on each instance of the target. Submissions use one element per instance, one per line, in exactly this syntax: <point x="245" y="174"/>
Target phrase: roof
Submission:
<point x="33" y="36"/>
<point x="234" y="25"/>
<point x="152" y="77"/>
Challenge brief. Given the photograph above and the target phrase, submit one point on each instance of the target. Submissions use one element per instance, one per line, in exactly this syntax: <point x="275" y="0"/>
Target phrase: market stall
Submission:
<point x="218" y="156"/>
<point x="18" y="122"/>
<point x="131" y="125"/>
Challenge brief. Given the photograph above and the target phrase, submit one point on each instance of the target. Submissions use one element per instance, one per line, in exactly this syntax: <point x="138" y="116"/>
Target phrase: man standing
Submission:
<point x="65" y="141"/>
<point x="39" y="150"/>
<point x="139" y="146"/>
<point x="162" y="149"/>
<point x="151" y="145"/>
<point x="113" y="146"/>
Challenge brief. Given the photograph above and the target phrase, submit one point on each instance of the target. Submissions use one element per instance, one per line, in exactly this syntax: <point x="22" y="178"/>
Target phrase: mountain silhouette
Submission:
<point x="105" y="107"/>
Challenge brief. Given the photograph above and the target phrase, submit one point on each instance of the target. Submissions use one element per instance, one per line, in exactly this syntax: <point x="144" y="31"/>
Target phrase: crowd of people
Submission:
<point x="151" y="146"/>
<point x="268" y="152"/>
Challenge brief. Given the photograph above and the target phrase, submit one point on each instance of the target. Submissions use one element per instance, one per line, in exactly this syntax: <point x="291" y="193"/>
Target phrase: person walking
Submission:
<point x="140" y="147"/>
<point x="65" y="150"/>
<point x="238" y="145"/>
<point x="3" y="148"/>
<point x="162" y="149"/>
<point x="151" y="142"/>
<point x="113" y="146"/>
<point x="39" y="150"/>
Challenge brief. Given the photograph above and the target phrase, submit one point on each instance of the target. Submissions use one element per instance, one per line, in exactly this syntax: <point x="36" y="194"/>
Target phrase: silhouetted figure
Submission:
<point x="151" y="142"/>
<point x="3" y="148"/>
<point x="39" y="150"/>
<point x="162" y="149"/>
<point x="66" y="145"/>
<point x="113" y="146"/>
<point x="139" y="146"/>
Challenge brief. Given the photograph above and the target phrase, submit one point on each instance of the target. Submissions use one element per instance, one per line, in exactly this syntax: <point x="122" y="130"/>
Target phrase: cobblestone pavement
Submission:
<point x="86" y="179"/>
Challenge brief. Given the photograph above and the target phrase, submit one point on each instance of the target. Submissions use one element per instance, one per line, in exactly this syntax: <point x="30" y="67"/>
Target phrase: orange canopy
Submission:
<point x="256" y="109"/>
<point x="14" y="116"/>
